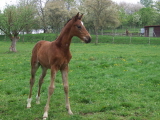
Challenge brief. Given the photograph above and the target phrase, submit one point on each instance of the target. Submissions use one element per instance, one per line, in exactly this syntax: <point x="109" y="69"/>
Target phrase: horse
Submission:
<point x="56" y="55"/>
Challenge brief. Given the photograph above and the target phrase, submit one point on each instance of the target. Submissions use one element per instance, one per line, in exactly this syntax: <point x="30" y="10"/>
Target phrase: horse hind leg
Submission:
<point x="50" y="91"/>
<point x="66" y="89"/>
<point x="41" y="80"/>
<point x="32" y="80"/>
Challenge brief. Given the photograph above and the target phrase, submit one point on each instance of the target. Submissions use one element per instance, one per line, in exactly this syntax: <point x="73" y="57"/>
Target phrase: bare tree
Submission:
<point x="57" y="14"/>
<point x="101" y="13"/>
<point x="42" y="13"/>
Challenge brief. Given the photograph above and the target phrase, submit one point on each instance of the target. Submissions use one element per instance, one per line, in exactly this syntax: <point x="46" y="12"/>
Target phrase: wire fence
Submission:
<point x="130" y="40"/>
<point x="118" y="38"/>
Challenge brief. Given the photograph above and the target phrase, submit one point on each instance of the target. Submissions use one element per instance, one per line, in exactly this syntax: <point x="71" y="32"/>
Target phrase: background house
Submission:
<point x="152" y="31"/>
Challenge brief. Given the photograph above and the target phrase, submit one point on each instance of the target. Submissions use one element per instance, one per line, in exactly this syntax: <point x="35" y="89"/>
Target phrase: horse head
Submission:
<point x="78" y="29"/>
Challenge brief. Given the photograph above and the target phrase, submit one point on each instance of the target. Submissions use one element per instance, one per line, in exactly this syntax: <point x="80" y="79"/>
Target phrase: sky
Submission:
<point x="3" y="2"/>
<point x="128" y="1"/>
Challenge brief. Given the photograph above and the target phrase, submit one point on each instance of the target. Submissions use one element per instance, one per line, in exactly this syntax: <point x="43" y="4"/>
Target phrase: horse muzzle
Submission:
<point x="87" y="39"/>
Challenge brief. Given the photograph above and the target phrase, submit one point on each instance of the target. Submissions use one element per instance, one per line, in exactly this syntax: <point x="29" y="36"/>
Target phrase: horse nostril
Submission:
<point x="88" y="39"/>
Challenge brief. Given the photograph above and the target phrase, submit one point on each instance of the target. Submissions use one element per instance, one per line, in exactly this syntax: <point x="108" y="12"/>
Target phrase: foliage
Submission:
<point x="107" y="82"/>
<point x="41" y="14"/>
<point x="101" y="14"/>
<point x="130" y="8"/>
<point x="146" y="3"/>
<point x="57" y="14"/>
<point x="15" y="18"/>
<point x="128" y="14"/>
<point x="147" y="16"/>
<point x="157" y="12"/>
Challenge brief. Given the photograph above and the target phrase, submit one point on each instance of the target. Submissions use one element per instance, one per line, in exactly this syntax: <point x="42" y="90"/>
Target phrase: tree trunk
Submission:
<point x="13" y="44"/>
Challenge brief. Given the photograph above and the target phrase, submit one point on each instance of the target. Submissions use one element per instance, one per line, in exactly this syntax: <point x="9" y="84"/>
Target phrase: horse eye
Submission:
<point x="79" y="27"/>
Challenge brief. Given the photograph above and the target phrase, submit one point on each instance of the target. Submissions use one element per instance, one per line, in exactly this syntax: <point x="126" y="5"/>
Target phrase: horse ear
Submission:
<point x="80" y="17"/>
<point x="76" y="17"/>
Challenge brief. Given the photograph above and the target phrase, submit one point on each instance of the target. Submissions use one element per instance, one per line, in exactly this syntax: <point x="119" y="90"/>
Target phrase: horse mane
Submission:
<point x="67" y="22"/>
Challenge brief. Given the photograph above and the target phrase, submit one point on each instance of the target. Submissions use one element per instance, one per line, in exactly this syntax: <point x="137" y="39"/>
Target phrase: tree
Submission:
<point x="58" y="12"/>
<point x="128" y="13"/>
<point x="14" y="19"/>
<point x="100" y="14"/>
<point x="146" y="3"/>
<point x="130" y="8"/>
<point x="157" y="12"/>
<point x="42" y="13"/>
<point x="69" y="4"/>
<point x="147" y="16"/>
<point x="136" y="19"/>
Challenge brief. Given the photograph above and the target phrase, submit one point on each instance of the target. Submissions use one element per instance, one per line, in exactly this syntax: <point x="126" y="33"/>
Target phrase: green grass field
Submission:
<point x="107" y="82"/>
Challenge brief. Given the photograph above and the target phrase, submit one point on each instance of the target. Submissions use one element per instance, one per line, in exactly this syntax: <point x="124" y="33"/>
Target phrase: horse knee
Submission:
<point x="51" y="90"/>
<point x="66" y="88"/>
<point x="32" y="81"/>
<point x="41" y="81"/>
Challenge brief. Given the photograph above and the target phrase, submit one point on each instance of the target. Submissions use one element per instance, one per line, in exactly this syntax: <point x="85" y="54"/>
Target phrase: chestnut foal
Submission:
<point x="56" y="56"/>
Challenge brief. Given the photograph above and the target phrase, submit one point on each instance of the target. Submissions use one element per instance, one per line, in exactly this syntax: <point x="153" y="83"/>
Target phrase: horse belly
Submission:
<point x="43" y="57"/>
<point x="44" y="63"/>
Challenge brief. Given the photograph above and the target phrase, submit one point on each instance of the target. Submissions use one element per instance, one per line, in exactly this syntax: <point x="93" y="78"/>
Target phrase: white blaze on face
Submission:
<point x="82" y="23"/>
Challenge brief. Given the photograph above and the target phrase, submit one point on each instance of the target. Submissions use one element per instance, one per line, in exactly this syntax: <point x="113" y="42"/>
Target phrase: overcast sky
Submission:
<point x="128" y="1"/>
<point x="3" y="2"/>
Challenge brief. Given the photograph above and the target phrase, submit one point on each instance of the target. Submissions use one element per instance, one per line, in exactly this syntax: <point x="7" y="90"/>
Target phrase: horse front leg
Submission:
<point x="50" y="91"/>
<point x="64" y="73"/>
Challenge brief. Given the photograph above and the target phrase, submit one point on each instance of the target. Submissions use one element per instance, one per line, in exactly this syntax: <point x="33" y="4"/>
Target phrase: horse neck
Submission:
<point x="65" y="37"/>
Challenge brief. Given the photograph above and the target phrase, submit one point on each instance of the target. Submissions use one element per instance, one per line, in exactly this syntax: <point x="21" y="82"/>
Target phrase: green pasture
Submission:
<point x="107" y="82"/>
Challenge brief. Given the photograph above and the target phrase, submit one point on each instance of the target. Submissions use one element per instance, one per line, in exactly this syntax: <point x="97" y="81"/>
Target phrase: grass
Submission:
<point x="107" y="82"/>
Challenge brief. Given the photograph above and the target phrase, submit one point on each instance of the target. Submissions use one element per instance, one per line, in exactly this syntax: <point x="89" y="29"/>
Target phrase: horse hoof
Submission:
<point x="37" y="102"/>
<point x="45" y="116"/>
<point x="28" y="105"/>
<point x="70" y="113"/>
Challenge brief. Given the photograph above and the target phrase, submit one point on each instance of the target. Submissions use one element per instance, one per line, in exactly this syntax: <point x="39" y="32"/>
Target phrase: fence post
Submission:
<point x="130" y="38"/>
<point x="113" y="36"/>
<point x="102" y="32"/>
<point x="5" y="37"/>
<point x="23" y="37"/>
<point x="113" y="40"/>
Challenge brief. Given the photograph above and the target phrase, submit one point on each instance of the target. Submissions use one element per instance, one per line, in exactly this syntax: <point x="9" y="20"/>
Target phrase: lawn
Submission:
<point x="107" y="82"/>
